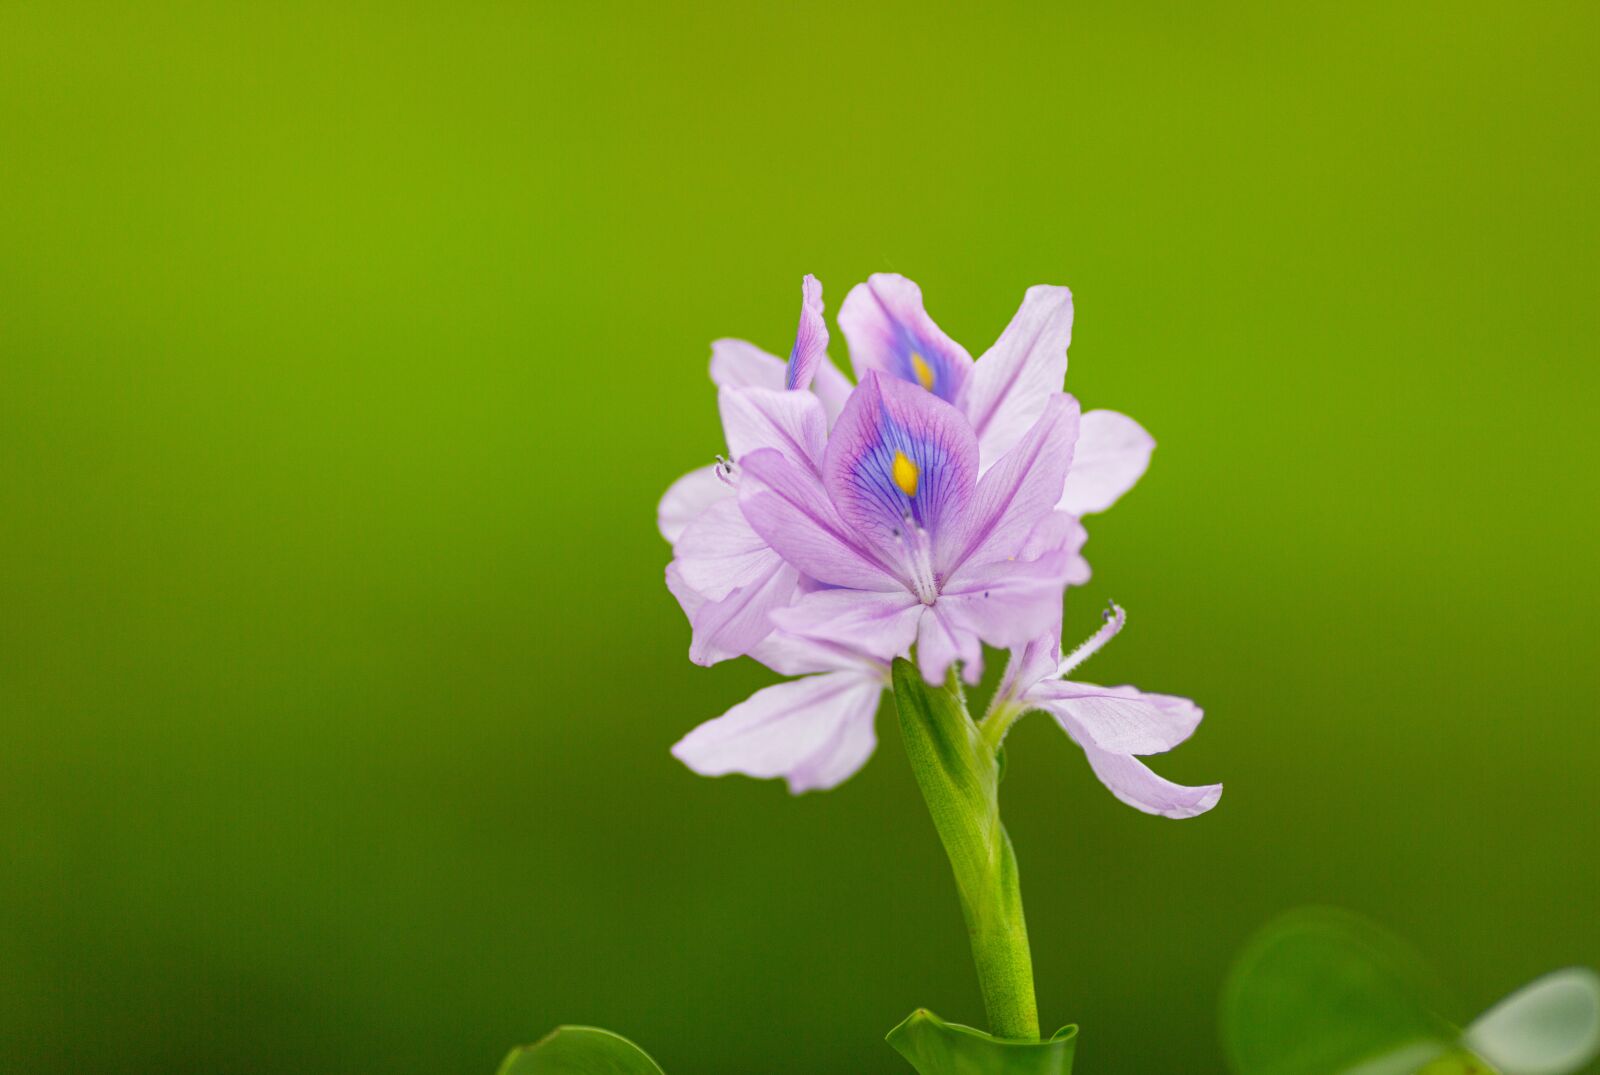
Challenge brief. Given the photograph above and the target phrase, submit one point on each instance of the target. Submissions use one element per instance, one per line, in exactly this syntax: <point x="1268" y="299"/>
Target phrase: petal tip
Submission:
<point x="1210" y="795"/>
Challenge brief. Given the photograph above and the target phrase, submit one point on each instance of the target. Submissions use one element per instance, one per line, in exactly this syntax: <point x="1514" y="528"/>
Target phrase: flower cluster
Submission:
<point x="929" y="510"/>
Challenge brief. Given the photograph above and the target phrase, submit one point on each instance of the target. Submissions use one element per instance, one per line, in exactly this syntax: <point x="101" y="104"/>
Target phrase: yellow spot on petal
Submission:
<point x="906" y="474"/>
<point x="923" y="371"/>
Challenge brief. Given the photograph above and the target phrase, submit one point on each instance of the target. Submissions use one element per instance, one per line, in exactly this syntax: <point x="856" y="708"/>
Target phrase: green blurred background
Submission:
<point x="344" y="351"/>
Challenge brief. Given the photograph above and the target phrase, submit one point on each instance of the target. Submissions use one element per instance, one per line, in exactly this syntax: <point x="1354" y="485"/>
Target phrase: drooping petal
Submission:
<point x="810" y="339"/>
<point x="720" y="552"/>
<point x="1120" y="720"/>
<point x="890" y="332"/>
<point x="741" y="364"/>
<point x="880" y="625"/>
<point x="787" y="505"/>
<point x="1131" y="780"/>
<point x="1112" y="454"/>
<point x="1017" y="492"/>
<point x="1016" y="377"/>
<point x="898" y="455"/>
<point x="942" y="639"/>
<point x="738" y="622"/>
<point x="792" y="422"/>
<point x="1008" y="602"/>
<point x="815" y="732"/>
<point x="688" y="497"/>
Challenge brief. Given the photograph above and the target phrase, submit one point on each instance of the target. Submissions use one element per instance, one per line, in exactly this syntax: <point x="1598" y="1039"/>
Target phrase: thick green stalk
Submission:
<point x="959" y="774"/>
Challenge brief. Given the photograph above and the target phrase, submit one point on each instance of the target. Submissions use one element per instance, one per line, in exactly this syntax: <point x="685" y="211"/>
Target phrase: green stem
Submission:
<point x="958" y="770"/>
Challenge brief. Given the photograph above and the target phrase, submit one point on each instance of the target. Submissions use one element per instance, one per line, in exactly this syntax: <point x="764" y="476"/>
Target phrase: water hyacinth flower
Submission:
<point x="924" y="508"/>
<point x="890" y="333"/>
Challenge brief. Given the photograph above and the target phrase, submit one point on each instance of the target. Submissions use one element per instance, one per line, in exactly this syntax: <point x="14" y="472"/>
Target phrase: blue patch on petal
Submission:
<point x="926" y="364"/>
<point x="875" y="474"/>
<point x="900" y="456"/>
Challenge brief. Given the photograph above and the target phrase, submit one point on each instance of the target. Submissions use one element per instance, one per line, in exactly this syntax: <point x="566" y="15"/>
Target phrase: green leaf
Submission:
<point x="935" y="1047"/>
<point x="579" y="1050"/>
<point x="959" y="776"/>
<point x="1549" y="1027"/>
<point x="1320" y="992"/>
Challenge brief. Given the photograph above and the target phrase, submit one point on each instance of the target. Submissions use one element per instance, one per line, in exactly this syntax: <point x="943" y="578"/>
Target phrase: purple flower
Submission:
<point x="933" y="506"/>
<point x="1115" y="726"/>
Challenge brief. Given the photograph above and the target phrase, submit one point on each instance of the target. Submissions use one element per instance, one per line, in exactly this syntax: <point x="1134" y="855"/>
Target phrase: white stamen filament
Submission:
<point x="919" y="562"/>
<point x="1115" y="618"/>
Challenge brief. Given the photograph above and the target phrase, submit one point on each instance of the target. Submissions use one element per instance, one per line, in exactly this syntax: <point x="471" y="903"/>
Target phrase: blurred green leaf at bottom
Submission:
<point x="579" y="1050"/>
<point x="935" y="1047"/>
<point x="1320" y="991"/>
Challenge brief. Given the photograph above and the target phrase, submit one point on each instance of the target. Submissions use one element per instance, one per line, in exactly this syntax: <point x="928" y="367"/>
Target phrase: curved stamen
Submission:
<point x="1115" y="618"/>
